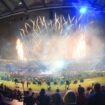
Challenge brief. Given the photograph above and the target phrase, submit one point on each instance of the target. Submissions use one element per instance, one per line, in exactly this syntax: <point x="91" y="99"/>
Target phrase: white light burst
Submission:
<point x="20" y="50"/>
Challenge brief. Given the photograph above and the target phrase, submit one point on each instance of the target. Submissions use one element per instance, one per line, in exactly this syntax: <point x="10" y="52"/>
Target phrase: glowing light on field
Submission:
<point x="58" y="64"/>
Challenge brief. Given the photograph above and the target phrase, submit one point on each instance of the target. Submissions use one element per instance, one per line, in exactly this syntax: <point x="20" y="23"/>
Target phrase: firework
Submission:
<point x="54" y="41"/>
<point x="19" y="48"/>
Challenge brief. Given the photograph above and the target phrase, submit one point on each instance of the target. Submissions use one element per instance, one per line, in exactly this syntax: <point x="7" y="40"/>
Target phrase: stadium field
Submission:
<point x="72" y="86"/>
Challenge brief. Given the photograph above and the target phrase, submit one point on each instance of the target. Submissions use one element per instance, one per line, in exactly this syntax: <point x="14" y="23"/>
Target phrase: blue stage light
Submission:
<point x="83" y="10"/>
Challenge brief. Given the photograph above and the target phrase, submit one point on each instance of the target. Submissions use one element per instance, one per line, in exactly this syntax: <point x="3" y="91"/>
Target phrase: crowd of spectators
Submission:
<point x="83" y="96"/>
<point x="7" y="94"/>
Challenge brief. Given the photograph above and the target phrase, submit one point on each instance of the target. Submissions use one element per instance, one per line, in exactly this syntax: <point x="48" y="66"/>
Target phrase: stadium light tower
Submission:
<point x="83" y="10"/>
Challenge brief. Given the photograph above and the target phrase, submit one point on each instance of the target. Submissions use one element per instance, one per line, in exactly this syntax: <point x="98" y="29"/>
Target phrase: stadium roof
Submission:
<point x="13" y="7"/>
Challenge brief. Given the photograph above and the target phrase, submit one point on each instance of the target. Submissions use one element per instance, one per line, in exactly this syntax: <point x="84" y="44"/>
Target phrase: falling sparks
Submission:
<point x="54" y="41"/>
<point x="19" y="48"/>
<point x="80" y="51"/>
<point x="43" y="38"/>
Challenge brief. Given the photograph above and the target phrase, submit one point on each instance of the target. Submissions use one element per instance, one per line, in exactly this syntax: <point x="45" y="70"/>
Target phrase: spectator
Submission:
<point x="70" y="98"/>
<point x="29" y="99"/>
<point x="103" y="89"/>
<point x="88" y="90"/>
<point x="81" y="97"/>
<point x="56" y="98"/>
<point x="43" y="99"/>
<point x="1" y="99"/>
<point x="98" y="97"/>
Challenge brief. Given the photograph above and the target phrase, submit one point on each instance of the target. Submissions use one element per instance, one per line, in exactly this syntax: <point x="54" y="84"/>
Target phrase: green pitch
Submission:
<point x="35" y="87"/>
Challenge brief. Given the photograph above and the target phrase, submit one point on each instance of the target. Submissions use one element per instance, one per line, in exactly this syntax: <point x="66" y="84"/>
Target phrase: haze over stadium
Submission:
<point x="58" y="42"/>
<point x="71" y="42"/>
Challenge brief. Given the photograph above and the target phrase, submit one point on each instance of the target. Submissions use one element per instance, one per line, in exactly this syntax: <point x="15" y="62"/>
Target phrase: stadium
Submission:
<point x="51" y="45"/>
